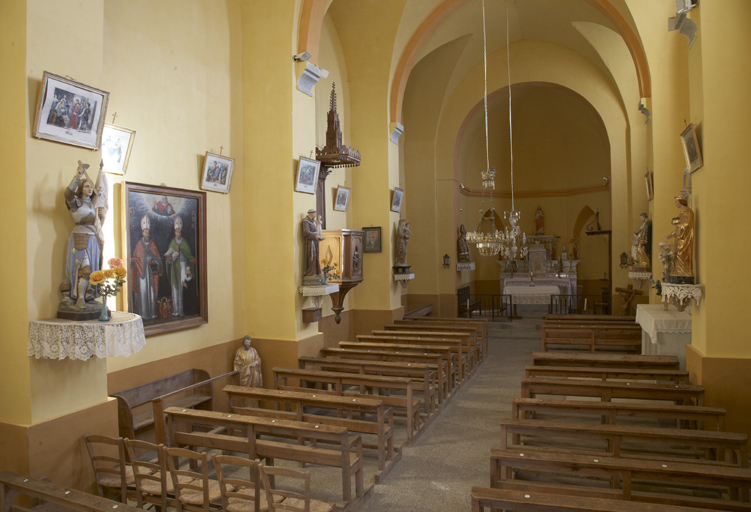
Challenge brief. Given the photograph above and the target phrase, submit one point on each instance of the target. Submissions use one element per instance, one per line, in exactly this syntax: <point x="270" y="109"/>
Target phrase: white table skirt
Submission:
<point x="531" y="294"/>
<point x="55" y="338"/>
<point x="653" y="319"/>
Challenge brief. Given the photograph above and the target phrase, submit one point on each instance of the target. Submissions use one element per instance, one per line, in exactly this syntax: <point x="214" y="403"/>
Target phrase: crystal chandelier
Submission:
<point x="505" y="244"/>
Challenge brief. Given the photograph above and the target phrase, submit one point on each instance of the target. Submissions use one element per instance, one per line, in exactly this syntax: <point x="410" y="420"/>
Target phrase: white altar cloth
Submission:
<point x="55" y="338"/>
<point x="664" y="332"/>
<point x="531" y="294"/>
<point x="564" y="284"/>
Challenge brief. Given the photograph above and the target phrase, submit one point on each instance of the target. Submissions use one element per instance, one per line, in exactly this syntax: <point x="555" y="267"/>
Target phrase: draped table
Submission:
<point x="55" y="338"/>
<point x="664" y="332"/>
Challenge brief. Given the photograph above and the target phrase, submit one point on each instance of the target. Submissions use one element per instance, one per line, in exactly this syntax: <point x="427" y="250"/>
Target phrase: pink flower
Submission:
<point x="115" y="262"/>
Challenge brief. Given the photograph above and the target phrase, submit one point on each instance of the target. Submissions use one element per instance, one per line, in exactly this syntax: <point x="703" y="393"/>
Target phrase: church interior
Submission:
<point x="580" y="106"/>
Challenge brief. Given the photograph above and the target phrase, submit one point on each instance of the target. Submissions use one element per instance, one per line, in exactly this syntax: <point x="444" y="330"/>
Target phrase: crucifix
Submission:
<point x="627" y="295"/>
<point x="114" y="116"/>
<point x="221" y="148"/>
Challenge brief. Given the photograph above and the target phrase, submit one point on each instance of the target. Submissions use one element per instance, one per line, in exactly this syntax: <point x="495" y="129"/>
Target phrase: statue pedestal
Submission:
<point x="639" y="276"/>
<point x="681" y="294"/>
<point x="318" y="292"/>
<point x="470" y="265"/>
<point x="404" y="279"/>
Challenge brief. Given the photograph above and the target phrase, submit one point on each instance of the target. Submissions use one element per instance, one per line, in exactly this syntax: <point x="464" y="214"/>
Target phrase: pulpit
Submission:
<point x="341" y="252"/>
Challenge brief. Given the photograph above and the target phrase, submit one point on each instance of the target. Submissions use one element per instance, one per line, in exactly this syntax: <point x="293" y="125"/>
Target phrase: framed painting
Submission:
<point x="217" y="173"/>
<point x="691" y="150"/>
<point x="116" y="145"/>
<point x="164" y="241"/>
<point x="70" y="112"/>
<point x="342" y="199"/>
<point x="307" y="175"/>
<point x="372" y="239"/>
<point x="649" y="179"/>
<point x="396" y="201"/>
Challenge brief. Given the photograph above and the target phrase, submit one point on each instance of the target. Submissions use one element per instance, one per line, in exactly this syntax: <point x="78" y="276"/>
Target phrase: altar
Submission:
<point x="521" y="294"/>
<point x="664" y="332"/>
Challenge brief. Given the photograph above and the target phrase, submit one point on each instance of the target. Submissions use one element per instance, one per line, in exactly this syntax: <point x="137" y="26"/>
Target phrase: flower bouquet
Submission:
<point x="108" y="282"/>
<point x="331" y="270"/>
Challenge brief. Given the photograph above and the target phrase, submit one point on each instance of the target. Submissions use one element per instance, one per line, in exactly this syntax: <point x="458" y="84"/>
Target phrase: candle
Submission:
<point x="585" y="304"/>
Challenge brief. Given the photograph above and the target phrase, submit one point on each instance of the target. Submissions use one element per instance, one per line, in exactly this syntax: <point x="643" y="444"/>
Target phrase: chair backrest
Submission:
<point x="153" y="483"/>
<point x="189" y="471"/>
<point x="291" y="501"/>
<point x="236" y="489"/>
<point x="112" y="473"/>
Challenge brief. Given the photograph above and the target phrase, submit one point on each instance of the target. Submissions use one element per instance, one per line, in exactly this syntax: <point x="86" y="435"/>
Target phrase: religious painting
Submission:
<point x="372" y="239"/>
<point x="217" y="173"/>
<point x="307" y="175"/>
<point x="70" y="112"/>
<point x="342" y="199"/>
<point x="691" y="150"/>
<point x="649" y="179"/>
<point x="116" y="145"/>
<point x="164" y="241"/>
<point x="396" y="201"/>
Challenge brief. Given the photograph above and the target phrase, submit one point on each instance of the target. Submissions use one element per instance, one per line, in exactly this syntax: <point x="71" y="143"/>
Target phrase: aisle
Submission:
<point x="437" y="472"/>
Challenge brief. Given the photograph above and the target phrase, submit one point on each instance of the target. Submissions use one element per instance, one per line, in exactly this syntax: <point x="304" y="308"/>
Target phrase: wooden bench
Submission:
<point x="593" y="337"/>
<point x="425" y="376"/>
<point x="372" y="417"/>
<point x="592" y="372"/>
<point x="537" y="501"/>
<point x="479" y="324"/>
<point x="468" y="335"/>
<point x="340" y="381"/>
<point x="56" y="497"/>
<point x="630" y="479"/>
<point x="466" y="305"/>
<point x="629" y="441"/>
<point x="138" y="407"/>
<point x="605" y="360"/>
<point x="681" y="394"/>
<point x="422" y="312"/>
<point x="692" y="416"/>
<point x="243" y="434"/>
<point x="591" y="318"/>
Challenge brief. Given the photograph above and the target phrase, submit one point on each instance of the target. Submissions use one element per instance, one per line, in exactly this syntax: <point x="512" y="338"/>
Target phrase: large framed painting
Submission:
<point x="70" y="112"/>
<point x="116" y="145"/>
<point x="164" y="241"/>
<point x="691" y="150"/>
<point x="217" y="173"/>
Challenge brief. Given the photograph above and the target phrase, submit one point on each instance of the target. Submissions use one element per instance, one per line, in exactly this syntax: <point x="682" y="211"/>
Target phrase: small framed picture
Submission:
<point x="650" y="181"/>
<point x="342" y="199"/>
<point x="396" y="201"/>
<point x="217" y="173"/>
<point x="70" y="112"/>
<point x="691" y="148"/>
<point x="372" y="239"/>
<point x="307" y="175"/>
<point x="116" y="145"/>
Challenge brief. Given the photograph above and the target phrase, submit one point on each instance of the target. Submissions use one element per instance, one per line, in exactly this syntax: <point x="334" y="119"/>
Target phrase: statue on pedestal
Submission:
<point x="312" y="235"/>
<point x="539" y="221"/>
<point x="683" y="259"/>
<point x="402" y="237"/>
<point x="88" y="205"/>
<point x="462" y="250"/>
<point x="642" y="245"/>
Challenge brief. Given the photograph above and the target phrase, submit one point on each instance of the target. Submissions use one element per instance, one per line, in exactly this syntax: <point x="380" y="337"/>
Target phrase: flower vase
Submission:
<point x="105" y="315"/>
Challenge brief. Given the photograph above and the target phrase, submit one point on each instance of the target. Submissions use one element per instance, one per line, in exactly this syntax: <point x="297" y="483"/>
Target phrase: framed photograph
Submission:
<point x="116" y="145"/>
<point x="164" y="241"/>
<point x="372" y="239"/>
<point x="396" y="201"/>
<point x="70" y="112"/>
<point x="217" y="173"/>
<point x="650" y="181"/>
<point x="691" y="149"/>
<point x="307" y="175"/>
<point x="342" y="199"/>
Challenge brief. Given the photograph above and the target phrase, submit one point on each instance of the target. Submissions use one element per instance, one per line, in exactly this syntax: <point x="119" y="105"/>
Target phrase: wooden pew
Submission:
<point x="481" y="324"/>
<point x="591" y="372"/>
<point x="468" y="335"/>
<point x="339" y="381"/>
<point x="308" y="407"/>
<point x="630" y="441"/>
<point x="57" y="498"/>
<point x="185" y="427"/>
<point x="592" y="337"/>
<point x="533" y="501"/>
<point x="656" y="480"/>
<point x="692" y="416"/>
<point x="424" y="376"/>
<point x="591" y="318"/>
<point x="459" y="348"/>
<point x="605" y="360"/>
<point x="433" y="359"/>
<point x="682" y="394"/>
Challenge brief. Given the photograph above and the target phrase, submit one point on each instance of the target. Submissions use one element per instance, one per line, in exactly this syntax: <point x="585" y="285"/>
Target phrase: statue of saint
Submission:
<point x="642" y="244"/>
<point x="88" y="206"/>
<point x="683" y="259"/>
<point x="312" y="236"/>
<point x="248" y="362"/>
<point x="539" y="221"/>
<point x="462" y="250"/>
<point x="403" y="233"/>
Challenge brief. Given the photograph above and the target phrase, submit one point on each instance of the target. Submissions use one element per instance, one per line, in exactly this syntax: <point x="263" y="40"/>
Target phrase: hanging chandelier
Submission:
<point x="505" y="244"/>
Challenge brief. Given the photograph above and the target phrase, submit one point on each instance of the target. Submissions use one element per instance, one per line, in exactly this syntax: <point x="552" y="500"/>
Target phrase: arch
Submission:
<point x="421" y="36"/>
<point x="309" y="31"/>
<point x="585" y="214"/>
